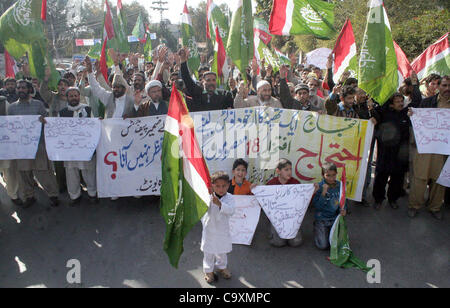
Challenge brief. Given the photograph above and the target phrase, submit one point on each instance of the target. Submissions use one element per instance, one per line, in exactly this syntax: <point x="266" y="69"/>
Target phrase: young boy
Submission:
<point x="239" y="185"/>
<point x="216" y="237"/>
<point x="284" y="171"/>
<point x="326" y="202"/>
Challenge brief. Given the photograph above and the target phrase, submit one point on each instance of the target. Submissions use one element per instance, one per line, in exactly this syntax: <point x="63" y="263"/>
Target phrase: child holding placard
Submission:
<point x="216" y="237"/>
<point x="284" y="172"/>
<point x="239" y="185"/>
<point x="326" y="202"/>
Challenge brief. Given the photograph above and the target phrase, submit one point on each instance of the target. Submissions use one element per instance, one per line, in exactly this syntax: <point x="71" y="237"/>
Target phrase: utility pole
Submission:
<point x="159" y="6"/>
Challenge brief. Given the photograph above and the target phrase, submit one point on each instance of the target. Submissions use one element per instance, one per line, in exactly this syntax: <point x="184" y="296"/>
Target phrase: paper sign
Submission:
<point x="285" y="206"/>
<point x="71" y="139"/>
<point x="245" y="219"/>
<point x="444" y="178"/>
<point x="19" y="137"/>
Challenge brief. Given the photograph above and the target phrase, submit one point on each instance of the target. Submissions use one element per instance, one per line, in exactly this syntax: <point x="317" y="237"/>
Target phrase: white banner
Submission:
<point x="19" y="136"/>
<point x="129" y="157"/>
<point x="71" y="139"/>
<point x="285" y="206"/>
<point x="432" y="130"/>
<point x="444" y="178"/>
<point x="245" y="219"/>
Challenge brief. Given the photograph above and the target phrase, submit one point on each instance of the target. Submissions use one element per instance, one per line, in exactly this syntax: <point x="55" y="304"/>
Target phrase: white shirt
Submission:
<point x="120" y="106"/>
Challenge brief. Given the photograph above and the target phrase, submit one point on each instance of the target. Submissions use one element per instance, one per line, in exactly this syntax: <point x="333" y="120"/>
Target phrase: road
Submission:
<point x="119" y="244"/>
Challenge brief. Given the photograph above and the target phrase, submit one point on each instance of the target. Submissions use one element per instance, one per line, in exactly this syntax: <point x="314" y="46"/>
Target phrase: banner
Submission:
<point x="285" y="206"/>
<point x="444" y="178"/>
<point x="432" y="130"/>
<point x="129" y="157"/>
<point x="19" y="137"/>
<point x="245" y="219"/>
<point x="71" y="139"/>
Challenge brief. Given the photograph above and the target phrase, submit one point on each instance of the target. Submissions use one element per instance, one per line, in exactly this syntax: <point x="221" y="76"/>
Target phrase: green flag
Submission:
<point x="22" y="33"/>
<point x="340" y="253"/>
<point x="240" y="40"/>
<point x="148" y="45"/>
<point x="218" y="19"/>
<point x="139" y="29"/>
<point x="187" y="33"/>
<point x="292" y="17"/>
<point x="120" y="29"/>
<point x="378" y="74"/>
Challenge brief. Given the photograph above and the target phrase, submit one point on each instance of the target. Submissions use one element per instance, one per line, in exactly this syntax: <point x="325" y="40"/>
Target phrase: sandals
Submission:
<point x="209" y="277"/>
<point x="225" y="273"/>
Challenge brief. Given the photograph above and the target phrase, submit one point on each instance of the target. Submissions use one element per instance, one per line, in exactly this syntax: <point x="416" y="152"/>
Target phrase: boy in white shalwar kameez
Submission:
<point x="216" y="237"/>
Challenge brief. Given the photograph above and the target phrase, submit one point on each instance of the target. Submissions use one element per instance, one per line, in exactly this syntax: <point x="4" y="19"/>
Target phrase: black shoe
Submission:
<point x="377" y="205"/>
<point x="75" y="201"/>
<point x="17" y="202"/>
<point x="54" y="201"/>
<point x="412" y="213"/>
<point x="438" y="215"/>
<point x="393" y="204"/>
<point x="29" y="202"/>
<point x="93" y="200"/>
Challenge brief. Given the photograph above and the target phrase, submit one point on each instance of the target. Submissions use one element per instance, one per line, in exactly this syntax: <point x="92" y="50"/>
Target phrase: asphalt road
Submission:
<point x="119" y="244"/>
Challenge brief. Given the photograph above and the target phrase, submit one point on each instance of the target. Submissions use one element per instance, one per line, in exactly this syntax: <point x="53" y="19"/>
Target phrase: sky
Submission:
<point x="175" y="8"/>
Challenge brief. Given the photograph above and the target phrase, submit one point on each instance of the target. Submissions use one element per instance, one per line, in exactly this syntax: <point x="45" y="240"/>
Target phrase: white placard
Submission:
<point x="245" y="219"/>
<point x="432" y="130"/>
<point x="19" y="136"/>
<point x="129" y="157"/>
<point x="444" y="178"/>
<point x="71" y="139"/>
<point x="285" y="206"/>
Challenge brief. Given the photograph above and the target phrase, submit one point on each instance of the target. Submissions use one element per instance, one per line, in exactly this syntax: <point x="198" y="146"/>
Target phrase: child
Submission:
<point x="284" y="171"/>
<point x="326" y="202"/>
<point x="239" y="185"/>
<point x="216" y="237"/>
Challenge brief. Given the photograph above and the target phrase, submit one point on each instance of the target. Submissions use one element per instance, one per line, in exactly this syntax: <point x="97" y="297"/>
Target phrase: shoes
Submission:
<point x="438" y="215"/>
<point x="76" y="201"/>
<point x="377" y="205"/>
<point x="412" y="213"/>
<point x="93" y="200"/>
<point x="17" y="201"/>
<point x="29" y="202"/>
<point x="225" y="273"/>
<point x="210" y="277"/>
<point x="54" y="201"/>
<point x="393" y="204"/>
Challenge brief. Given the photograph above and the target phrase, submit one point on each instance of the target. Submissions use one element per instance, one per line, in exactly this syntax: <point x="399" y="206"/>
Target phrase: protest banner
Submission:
<point x="245" y="219"/>
<point x="432" y="130"/>
<point x="285" y="206"/>
<point x="71" y="139"/>
<point x="444" y="178"/>
<point x="129" y="157"/>
<point x="19" y="136"/>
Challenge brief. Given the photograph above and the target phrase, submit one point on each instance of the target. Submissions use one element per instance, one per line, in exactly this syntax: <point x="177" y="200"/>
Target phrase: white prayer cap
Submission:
<point x="153" y="83"/>
<point x="262" y="83"/>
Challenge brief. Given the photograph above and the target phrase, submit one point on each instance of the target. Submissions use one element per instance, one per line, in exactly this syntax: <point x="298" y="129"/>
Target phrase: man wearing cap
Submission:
<point x="155" y="105"/>
<point x="8" y="168"/>
<point x="75" y="109"/>
<point x="208" y="97"/>
<point x="118" y="103"/>
<point x="263" y="98"/>
<point x="40" y="167"/>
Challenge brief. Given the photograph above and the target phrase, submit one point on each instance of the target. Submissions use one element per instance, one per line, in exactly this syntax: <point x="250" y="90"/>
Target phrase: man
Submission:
<point x="316" y="101"/>
<point x="263" y="98"/>
<point x="75" y="109"/>
<point x="139" y="89"/>
<point x="301" y="101"/>
<point x="117" y="102"/>
<point x="8" y="167"/>
<point x="207" y="97"/>
<point x="10" y="90"/>
<point x="155" y="105"/>
<point x="56" y="101"/>
<point x="345" y="107"/>
<point x="70" y="77"/>
<point x="427" y="167"/>
<point x="40" y="168"/>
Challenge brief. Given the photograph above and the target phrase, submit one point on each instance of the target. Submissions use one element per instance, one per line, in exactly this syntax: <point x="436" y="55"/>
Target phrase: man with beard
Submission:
<point x="40" y="167"/>
<point x="155" y="104"/>
<point x="75" y="109"/>
<point x="8" y="168"/>
<point x="118" y="103"/>
<point x="301" y="100"/>
<point x="208" y="97"/>
<point x="263" y="98"/>
<point x="10" y="90"/>
<point x="428" y="167"/>
<point x="57" y="101"/>
<point x="316" y="101"/>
